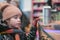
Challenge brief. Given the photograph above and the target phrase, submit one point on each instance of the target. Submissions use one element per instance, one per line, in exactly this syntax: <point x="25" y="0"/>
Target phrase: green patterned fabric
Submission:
<point x="32" y="34"/>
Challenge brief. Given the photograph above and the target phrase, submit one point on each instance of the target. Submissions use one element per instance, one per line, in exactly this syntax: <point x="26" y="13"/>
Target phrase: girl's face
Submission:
<point x="15" y="21"/>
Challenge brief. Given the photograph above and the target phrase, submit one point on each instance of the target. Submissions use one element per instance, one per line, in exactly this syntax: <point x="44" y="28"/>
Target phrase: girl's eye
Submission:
<point x="15" y="17"/>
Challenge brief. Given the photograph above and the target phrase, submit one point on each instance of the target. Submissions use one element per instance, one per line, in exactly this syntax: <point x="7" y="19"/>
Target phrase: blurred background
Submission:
<point x="48" y="12"/>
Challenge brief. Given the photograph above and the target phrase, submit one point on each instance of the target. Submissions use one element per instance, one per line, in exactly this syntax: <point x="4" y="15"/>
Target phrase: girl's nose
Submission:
<point x="19" y="20"/>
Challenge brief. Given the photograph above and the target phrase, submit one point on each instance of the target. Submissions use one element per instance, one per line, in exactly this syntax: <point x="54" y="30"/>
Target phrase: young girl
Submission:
<point x="11" y="27"/>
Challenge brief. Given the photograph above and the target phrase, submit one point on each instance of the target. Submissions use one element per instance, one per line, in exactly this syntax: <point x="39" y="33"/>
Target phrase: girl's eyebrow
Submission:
<point x="17" y="15"/>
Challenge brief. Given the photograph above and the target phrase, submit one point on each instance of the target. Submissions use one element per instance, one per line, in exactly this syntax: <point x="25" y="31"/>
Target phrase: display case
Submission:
<point x="37" y="8"/>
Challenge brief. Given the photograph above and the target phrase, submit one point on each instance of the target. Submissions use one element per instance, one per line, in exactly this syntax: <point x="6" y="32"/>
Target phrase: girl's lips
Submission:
<point x="19" y="24"/>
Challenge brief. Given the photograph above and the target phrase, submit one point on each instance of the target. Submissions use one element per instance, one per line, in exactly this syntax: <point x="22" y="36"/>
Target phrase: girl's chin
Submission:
<point x="17" y="26"/>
